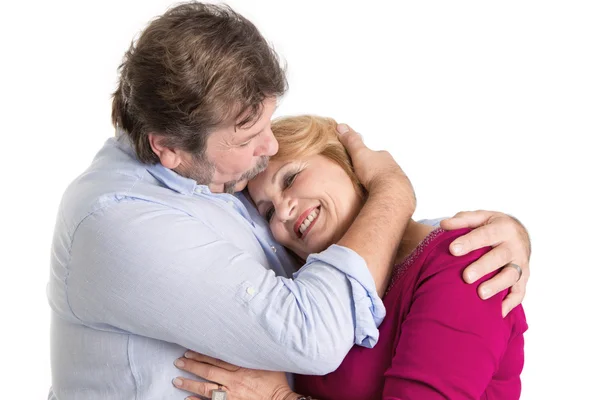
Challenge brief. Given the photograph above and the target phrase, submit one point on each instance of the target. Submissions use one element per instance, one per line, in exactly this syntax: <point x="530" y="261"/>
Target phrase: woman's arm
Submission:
<point x="451" y="342"/>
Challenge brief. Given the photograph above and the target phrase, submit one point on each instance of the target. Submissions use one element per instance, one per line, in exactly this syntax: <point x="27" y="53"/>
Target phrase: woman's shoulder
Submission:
<point x="441" y="276"/>
<point x="431" y="257"/>
<point x="437" y="257"/>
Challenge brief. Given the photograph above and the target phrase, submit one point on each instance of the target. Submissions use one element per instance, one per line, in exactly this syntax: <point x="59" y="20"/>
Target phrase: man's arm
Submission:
<point x="142" y="268"/>
<point x="380" y="225"/>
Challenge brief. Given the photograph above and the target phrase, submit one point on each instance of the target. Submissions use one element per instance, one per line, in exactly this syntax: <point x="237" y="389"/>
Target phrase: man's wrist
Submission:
<point x="398" y="190"/>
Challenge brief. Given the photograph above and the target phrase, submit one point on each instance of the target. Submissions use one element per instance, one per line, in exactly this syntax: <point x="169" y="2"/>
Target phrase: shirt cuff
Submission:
<point x="369" y="310"/>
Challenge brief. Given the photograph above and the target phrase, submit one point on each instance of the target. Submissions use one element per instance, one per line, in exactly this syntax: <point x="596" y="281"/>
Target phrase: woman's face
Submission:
<point x="309" y="203"/>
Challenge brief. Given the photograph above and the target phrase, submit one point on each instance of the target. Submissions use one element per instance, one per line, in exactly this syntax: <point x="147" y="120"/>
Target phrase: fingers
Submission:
<point x="487" y="235"/>
<point x="491" y="261"/>
<point x="510" y="244"/>
<point x="192" y="355"/>
<point x="515" y="297"/>
<point x="351" y="140"/>
<point x="206" y="371"/>
<point x="200" y="388"/>
<point x="505" y="279"/>
<point x="467" y="219"/>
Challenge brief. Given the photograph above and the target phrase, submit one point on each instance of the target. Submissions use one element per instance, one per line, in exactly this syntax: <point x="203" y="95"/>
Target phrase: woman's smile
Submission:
<point x="306" y="222"/>
<point x="309" y="202"/>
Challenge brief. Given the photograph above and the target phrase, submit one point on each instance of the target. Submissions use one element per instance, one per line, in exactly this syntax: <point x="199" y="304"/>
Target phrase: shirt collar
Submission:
<point x="173" y="180"/>
<point x="167" y="177"/>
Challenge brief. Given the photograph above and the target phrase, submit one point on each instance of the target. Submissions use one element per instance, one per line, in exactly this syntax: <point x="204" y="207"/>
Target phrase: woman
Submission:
<point x="438" y="340"/>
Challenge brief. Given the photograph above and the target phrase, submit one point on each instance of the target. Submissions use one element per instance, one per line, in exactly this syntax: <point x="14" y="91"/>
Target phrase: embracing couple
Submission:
<point x="207" y="250"/>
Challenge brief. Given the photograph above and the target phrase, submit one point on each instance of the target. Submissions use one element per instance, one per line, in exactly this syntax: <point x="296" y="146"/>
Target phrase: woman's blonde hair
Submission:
<point x="307" y="135"/>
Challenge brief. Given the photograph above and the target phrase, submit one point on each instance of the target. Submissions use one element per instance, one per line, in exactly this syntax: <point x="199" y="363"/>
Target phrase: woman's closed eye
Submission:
<point x="269" y="213"/>
<point x="288" y="181"/>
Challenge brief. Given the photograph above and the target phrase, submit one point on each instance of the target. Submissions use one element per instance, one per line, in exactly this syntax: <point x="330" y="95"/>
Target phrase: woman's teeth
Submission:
<point x="311" y="217"/>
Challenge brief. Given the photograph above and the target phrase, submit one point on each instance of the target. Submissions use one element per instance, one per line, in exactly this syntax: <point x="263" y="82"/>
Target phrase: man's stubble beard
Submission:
<point x="262" y="164"/>
<point x="204" y="171"/>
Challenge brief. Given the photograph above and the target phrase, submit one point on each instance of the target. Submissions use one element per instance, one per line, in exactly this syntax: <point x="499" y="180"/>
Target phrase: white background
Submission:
<point x="491" y="105"/>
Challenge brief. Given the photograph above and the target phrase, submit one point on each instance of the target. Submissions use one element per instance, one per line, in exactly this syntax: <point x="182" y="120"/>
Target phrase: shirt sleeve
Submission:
<point x="432" y="222"/>
<point x="142" y="268"/>
<point x="451" y="342"/>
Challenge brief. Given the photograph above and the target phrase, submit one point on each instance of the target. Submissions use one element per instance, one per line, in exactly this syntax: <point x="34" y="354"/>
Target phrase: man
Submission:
<point x="154" y="254"/>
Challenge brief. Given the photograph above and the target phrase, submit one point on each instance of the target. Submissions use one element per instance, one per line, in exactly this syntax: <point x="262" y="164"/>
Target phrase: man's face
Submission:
<point x="234" y="155"/>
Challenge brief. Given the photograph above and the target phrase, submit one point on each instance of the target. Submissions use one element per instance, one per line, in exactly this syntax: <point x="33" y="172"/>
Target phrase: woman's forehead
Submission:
<point x="258" y="185"/>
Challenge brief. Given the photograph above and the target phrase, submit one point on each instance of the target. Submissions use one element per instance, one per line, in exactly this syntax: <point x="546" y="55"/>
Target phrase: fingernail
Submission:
<point x="177" y="382"/>
<point x="188" y="354"/>
<point x="457" y="249"/>
<point x="342" y="128"/>
<point x="179" y="363"/>
<point x="485" y="292"/>
<point x="471" y="276"/>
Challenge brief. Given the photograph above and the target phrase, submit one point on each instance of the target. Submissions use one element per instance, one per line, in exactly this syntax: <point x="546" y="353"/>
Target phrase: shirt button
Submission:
<point x="250" y="291"/>
<point x="231" y="203"/>
<point x="274" y="249"/>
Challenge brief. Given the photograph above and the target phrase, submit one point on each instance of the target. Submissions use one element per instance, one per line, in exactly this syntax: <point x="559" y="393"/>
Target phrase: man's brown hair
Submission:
<point x="193" y="69"/>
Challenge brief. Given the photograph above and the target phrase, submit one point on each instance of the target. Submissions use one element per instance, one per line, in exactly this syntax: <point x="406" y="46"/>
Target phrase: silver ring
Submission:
<point x="218" y="394"/>
<point x="519" y="270"/>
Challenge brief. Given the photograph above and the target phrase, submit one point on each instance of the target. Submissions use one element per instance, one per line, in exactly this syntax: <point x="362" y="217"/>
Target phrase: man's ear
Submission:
<point x="169" y="157"/>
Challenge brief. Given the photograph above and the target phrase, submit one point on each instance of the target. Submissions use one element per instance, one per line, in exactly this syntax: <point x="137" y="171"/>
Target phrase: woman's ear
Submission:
<point x="169" y="157"/>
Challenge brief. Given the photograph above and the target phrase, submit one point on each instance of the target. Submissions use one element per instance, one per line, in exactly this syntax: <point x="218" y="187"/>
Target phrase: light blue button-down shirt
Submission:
<point x="146" y="264"/>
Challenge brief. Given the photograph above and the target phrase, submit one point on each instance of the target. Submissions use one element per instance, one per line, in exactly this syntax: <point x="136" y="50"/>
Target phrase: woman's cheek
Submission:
<point x="279" y="232"/>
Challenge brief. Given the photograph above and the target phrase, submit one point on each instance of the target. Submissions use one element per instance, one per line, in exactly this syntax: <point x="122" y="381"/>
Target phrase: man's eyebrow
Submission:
<point x="251" y="136"/>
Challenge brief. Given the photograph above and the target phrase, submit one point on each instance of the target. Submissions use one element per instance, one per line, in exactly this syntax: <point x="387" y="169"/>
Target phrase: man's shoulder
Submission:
<point x="118" y="190"/>
<point x="110" y="174"/>
<point x="126" y="198"/>
<point x="113" y="176"/>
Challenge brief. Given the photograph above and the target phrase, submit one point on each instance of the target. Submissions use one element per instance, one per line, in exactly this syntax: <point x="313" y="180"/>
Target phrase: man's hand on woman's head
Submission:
<point x="510" y="244"/>
<point x="239" y="383"/>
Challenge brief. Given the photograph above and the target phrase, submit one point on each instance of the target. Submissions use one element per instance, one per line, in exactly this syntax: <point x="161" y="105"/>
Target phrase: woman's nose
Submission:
<point x="285" y="209"/>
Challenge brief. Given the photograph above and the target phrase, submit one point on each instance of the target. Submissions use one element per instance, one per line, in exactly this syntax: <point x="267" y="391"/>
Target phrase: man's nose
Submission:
<point x="269" y="146"/>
